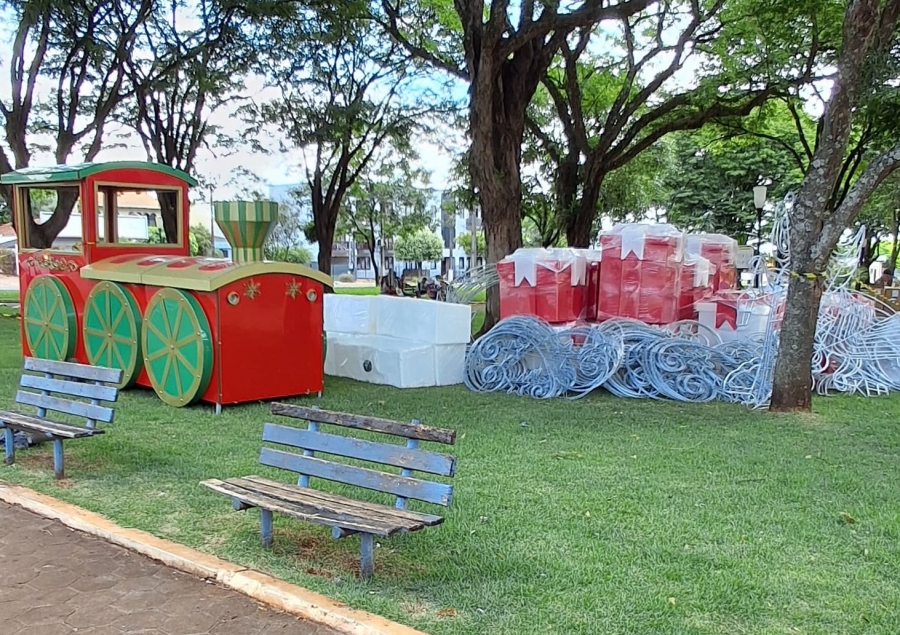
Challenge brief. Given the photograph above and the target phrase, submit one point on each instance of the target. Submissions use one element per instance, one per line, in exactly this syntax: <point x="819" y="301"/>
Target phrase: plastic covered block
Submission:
<point x="415" y="320"/>
<point x="349" y="314"/>
<point x="516" y="293"/>
<point x="378" y="359"/>
<point x="549" y="283"/>
<point x="640" y="274"/>
<point x="449" y="364"/>
<point x="721" y="251"/>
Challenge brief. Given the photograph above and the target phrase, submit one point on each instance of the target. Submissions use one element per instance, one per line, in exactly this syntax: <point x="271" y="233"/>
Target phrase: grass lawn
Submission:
<point x="598" y="516"/>
<point x="9" y="296"/>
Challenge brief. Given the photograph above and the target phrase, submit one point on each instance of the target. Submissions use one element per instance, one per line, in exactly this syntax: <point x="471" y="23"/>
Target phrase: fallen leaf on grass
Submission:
<point x="447" y="613"/>
<point x="847" y="518"/>
<point x="672" y="601"/>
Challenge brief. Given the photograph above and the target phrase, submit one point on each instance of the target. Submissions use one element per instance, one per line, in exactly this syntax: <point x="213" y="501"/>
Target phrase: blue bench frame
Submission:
<point x="59" y="386"/>
<point x="346" y="516"/>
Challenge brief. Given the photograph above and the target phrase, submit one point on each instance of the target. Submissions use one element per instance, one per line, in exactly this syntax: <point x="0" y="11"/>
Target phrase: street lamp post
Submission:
<point x="759" y="202"/>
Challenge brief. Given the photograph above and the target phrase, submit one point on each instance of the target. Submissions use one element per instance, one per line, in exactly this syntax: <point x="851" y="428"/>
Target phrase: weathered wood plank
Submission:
<point x="338" y="513"/>
<point x="339" y="504"/>
<point x="385" y="453"/>
<point x="429" y="491"/>
<point x="69" y="369"/>
<point x="373" y="424"/>
<point x="72" y="388"/>
<point x="67" y="406"/>
<point x="20" y="421"/>
<point x="275" y="505"/>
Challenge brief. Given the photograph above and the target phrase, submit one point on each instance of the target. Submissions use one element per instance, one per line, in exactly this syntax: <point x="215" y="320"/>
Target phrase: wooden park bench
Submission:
<point x="346" y="516"/>
<point x="69" y="382"/>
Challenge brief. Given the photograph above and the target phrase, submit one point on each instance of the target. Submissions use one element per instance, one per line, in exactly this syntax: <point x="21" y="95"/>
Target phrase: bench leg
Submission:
<point x="265" y="517"/>
<point x="59" y="469"/>
<point x="367" y="564"/>
<point x="9" y="445"/>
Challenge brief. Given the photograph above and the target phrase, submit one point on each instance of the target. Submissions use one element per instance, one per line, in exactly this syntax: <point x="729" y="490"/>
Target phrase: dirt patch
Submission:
<point x="39" y="458"/>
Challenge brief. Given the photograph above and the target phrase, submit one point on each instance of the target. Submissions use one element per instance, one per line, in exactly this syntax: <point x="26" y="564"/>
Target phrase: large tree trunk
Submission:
<point x="325" y="240"/>
<point x="580" y="224"/>
<point x="792" y="388"/>
<point x="497" y="120"/>
<point x="41" y="236"/>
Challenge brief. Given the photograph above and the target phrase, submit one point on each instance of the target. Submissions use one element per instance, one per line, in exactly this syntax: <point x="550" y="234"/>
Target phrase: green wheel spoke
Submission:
<point x="177" y="347"/>
<point x="49" y="316"/>
<point x="112" y="330"/>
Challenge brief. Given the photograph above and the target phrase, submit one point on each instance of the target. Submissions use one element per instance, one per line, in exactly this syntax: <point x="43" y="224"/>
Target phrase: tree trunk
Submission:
<point x="580" y="224"/>
<point x="41" y="236"/>
<point x="168" y="206"/>
<point x="497" y="123"/>
<point x="792" y="388"/>
<point x="895" y="246"/>
<point x="325" y="240"/>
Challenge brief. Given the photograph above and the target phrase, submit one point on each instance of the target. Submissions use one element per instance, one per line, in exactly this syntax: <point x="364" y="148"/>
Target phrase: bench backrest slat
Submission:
<point x="385" y="453"/>
<point x="373" y="424"/>
<point x="77" y="371"/>
<point x="66" y="406"/>
<point x="73" y="388"/>
<point x="407" y="487"/>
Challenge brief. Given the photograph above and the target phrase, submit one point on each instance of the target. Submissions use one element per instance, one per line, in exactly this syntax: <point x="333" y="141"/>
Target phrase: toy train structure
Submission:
<point x="130" y="296"/>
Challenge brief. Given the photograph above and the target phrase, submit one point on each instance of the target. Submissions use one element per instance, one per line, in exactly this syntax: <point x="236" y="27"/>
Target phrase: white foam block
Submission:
<point x="380" y="360"/>
<point x="417" y="320"/>
<point x="349" y="314"/>
<point x="449" y="364"/>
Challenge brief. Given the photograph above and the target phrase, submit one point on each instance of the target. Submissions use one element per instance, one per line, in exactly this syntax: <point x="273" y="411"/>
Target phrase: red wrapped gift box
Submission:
<point x="696" y="284"/>
<point x="516" y="293"/>
<point x="721" y="251"/>
<point x="550" y="284"/>
<point x="641" y="273"/>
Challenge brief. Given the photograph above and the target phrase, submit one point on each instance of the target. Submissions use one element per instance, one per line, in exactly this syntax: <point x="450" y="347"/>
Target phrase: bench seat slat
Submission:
<point x="285" y="491"/>
<point x="73" y="388"/>
<point x="373" y="424"/>
<point x="385" y="453"/>
<point x="69" y="369"/>
<point x="307" y="513"/>
<point x="21" y="421"/>
<point x="67" y="406"/>
<point x="405" y="486"/>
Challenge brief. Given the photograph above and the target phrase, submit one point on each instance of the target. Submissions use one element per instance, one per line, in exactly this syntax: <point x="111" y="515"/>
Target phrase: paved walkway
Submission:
<point x="55" y="581"/>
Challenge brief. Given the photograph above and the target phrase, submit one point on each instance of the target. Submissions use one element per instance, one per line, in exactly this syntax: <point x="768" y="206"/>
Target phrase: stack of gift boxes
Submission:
<point x="656" y="274"/>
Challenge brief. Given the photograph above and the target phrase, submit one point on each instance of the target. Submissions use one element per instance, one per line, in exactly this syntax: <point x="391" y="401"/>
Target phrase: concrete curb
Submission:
<point x="259" y="586"/>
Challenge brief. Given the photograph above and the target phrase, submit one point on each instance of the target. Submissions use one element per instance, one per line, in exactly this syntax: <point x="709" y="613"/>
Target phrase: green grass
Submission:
<point x="373" y="290"/>
<point x="597" y="516"/>
<point x="9" y="296"/>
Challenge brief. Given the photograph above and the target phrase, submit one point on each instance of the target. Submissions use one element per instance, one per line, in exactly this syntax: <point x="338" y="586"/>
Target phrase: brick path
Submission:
<point x="55" y="581"/>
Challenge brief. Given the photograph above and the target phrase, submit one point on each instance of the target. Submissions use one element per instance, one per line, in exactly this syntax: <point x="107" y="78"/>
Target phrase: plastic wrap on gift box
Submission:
<point x="721" y="251"/>
<point x="561" y="288"/>
<point x="516" y="287"/>
<point x="734" y="316"/>
<point x="696" y="284"/>
<point x="640" y="276"/>
<point x="593" y="258"/>
<point x="548" y="283"/>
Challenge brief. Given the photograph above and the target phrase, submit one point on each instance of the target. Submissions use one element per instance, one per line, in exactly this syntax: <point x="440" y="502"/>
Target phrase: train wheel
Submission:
<point x="177" y="347"/>
<point x="49" y="317"/>
<point x="111" y="330"/>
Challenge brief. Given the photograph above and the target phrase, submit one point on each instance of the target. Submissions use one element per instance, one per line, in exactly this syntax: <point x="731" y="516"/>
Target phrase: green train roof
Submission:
<point x="78" y="172"/>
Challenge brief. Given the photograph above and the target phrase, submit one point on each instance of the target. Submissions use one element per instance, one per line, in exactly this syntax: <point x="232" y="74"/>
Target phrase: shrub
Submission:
<point x="7" y="262"/>
<point x="346" y="277"/>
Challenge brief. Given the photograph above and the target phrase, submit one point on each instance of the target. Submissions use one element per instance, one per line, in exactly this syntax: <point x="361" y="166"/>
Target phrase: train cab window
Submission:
<point x="40" y="204"/>
<point x="133" y="215"/>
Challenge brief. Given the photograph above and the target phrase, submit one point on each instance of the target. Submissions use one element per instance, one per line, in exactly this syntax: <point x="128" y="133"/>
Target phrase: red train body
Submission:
<point x="191" y="328"/>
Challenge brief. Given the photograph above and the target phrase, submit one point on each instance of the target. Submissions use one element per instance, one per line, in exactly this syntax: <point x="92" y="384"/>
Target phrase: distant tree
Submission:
<point x="286" y="241"/>
<point x="464" y="242"/>
<point x="201" y="240"/>
<point x="422" y="246"/>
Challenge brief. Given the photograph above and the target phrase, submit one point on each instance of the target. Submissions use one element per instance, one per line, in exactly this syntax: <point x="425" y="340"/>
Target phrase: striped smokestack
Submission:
<point x="246" y="225"/>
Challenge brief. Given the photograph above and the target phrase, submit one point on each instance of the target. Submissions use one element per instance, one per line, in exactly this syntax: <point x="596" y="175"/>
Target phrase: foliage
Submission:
<point x="346" y="277"/>
<point x="298" y="255"/>
<point x="386" y="202"/>
<point x="464" y="242"/>
<point x="422" y="246"/>
<point x="684" y="486"/>
<point x="288" y="236"/>
<point x="710" y="177"/>
<point x="345" y="97"/>
<point x="7" y="262"/>
<point x="201" y="240"/>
